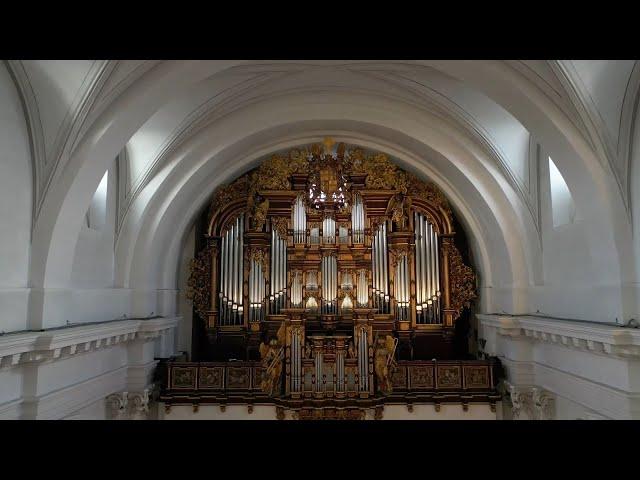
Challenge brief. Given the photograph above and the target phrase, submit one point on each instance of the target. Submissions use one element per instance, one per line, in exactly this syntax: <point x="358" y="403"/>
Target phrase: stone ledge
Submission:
<point x="57" y="343"/>
<point x="597" y="338"/>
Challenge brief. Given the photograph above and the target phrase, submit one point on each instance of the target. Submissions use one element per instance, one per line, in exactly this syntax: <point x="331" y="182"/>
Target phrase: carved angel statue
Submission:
<point x="258" y="211"/>
<point x="271" y="355"/>
<point x="398" y="209"/>
<point x="384" y="362"/>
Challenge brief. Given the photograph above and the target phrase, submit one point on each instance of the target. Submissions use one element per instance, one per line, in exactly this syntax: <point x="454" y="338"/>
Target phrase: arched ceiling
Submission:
<point x="153" y="115"/>
<point x="63" y="97"/>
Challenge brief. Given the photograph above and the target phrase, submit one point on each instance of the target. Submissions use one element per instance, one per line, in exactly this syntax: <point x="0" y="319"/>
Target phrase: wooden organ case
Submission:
<point x="334" y="278"/>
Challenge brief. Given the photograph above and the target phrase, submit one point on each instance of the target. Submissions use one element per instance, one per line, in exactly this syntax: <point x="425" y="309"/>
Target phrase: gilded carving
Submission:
<point x="280" y="225"/>
<point x="399" y="210"/>
<point x="427" y="191"/>
<point x="272" y="355"/>
<point x="257" y="209"/>
<point x="199" y="282"/>
<point x="376" y="222"/>
<point x="462" y="280"/>
<point x="259" y="255"/>
<point x="384" y="363"/>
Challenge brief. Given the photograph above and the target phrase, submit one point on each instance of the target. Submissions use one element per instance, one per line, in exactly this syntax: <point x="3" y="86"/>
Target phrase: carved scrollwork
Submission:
<point x="462" y="280"/>
<point x="259" y="255"/>
<point x="199" y="282"/>
<point x="429" y="192"/>
<point x="376" y="222"/>
<point x="280" y="225"/>
<point x="400" y="251"/>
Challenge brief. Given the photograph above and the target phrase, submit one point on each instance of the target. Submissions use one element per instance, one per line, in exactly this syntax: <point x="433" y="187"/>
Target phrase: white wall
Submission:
<point x="16" y="194"/>
<point x="589" y="370"/>
<point x="93" y="261"/>
<point x="70" y="372"/>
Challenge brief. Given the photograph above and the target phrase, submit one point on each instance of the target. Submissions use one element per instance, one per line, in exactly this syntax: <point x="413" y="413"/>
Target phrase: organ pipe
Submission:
<point x="357" y="220"/>
<point x="278" y="268"/>
<point x="299" y="221"/>
<point x="231" y="274"/>
<point x="427" y="271"/>
<point x="380" y="270"/>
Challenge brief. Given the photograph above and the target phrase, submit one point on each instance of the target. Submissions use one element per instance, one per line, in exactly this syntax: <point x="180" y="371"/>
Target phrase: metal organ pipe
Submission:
<point x="423" y="260"/>
<point x="385" y="266"/>
<point x="416" y="222"/>
<point x="357" y="220"/>
<point x="427" y="271"/>
<point x="231" y="271"/>
<point x="299" y="221"/>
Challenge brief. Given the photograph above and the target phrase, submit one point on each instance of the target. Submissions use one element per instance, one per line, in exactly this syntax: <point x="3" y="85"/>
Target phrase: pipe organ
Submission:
<point x="345" y="263"/>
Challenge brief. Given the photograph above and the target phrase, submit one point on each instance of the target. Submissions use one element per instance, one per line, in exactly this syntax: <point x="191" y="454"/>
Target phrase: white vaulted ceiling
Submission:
<point x="180" y="128"/>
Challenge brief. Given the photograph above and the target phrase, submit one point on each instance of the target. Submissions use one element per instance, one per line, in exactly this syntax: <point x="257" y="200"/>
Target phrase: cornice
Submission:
<point x="596" y="338"/>
<point x="58" y="343"/>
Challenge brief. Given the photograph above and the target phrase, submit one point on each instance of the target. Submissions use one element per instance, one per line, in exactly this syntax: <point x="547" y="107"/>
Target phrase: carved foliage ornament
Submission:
<point x="199" y="283"/>
<point x="280" y="225"/>
<point x="275" y="173"/>
<point x="259" y="255"/>
<point x="462" y="280"/>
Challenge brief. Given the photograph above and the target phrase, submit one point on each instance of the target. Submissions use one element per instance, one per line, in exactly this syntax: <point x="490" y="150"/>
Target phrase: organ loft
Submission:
<point x="330" y="282"/>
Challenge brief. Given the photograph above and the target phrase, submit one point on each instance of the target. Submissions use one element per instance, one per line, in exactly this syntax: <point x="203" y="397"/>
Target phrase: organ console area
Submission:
<point x="330" y="278"/>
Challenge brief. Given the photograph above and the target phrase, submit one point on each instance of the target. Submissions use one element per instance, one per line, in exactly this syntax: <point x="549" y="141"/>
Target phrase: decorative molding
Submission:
<point x="543" y="403"/>
<point x="130" y="405"/>
<point x="608" y="340"/>
<point x="60" y="343"/>
<point x="535" y="402"/>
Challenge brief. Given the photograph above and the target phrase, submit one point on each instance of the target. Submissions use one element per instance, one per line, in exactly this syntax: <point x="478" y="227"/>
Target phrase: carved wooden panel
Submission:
<point x="421" y="377"/>
<point x="183" y="378"/>
<point x="449" y="376"/>
<point x="476" y="376"/>
<point x="211" y="378"/>
<point x="238" y="378"/>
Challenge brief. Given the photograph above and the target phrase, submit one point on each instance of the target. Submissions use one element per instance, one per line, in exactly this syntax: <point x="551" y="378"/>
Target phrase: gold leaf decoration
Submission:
<point x="280" y="225"/>
<point x="427" y="191"/>
<point x="199" y="283"/>
<point x="462" y="280"/>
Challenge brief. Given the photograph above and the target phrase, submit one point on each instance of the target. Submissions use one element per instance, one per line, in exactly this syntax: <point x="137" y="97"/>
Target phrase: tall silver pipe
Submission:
<point x="374" y="272"/>
<point x="238" y="262"/>
<point x="429" y="267"/>
<point x="423" y="260"/>
<point x="437" y="263"/>
<point x="385" y="266"/>
<point x="435" y="256"/>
